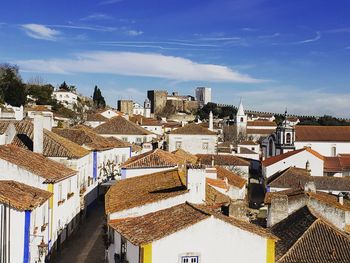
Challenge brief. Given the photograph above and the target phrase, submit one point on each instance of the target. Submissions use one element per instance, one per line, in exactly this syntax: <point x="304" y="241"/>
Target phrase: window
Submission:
<point x="44" y="213"/>
<point x="125" y="139"/>
<point x="189" y="259"/>
<point x="242" y="119"/>
<point x="205" y="145"/>
<point x="69" y="186"/>
<point x="60" y="192"/>
<point x="288" y="138"/>
<point x="178" y="145"/>
<point x="123" y="246"/>
<point x="138" y="140"/>
<point x="334" y="151"/>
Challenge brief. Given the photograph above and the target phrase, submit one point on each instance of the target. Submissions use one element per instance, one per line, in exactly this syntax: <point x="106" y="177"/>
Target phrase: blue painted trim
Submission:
<point x="130" y="152"/>
<point x="26" y="236"/>
<point x="94" y="171"/>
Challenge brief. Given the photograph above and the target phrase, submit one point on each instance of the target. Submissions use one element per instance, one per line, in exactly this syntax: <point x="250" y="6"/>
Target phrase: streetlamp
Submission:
<point x="42" y="247"/>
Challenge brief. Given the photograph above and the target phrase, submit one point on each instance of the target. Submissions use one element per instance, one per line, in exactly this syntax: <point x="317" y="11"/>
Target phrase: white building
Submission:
<point x="148" y="163"/>
<point x="150" y="124"/>
<point x="194" y="139"/>
<point x="188" y="233"/>
<point x="35" y="170"/>
<point x="108" y="153"/>
<point x="24" y="221"/>
<point x="67" y="98"/>
<point x="125" y="130"/>
<point x="327" y="140"/>
<point x="203" y="95"/>
<point x="8" y="112"/>
<point x="303" y="158"/>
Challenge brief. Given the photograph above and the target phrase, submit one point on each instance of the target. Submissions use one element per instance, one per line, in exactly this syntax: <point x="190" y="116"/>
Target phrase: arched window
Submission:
<point x="288" y="138"/>
<point x="241" y="119"/>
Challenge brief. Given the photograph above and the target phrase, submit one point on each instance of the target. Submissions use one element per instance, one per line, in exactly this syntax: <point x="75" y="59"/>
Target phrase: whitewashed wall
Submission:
<point x="325" y="148"/>
<point x="130" y="172"/>
<point x="298" y="160"/>
<point x="193" y="143"/>
<point x="132" y="138"/>
<point x="226" y="243"/>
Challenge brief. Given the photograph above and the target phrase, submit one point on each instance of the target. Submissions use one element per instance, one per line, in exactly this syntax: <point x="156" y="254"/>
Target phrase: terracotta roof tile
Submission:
<point x="221" y="159"/>
<point x="4" y="126"/>
<point x="22" y="196"/>
<point x="96" y="117"/>
<point x="217" y="183"/>
<point x="337" y="164"/>
<point x="54" y="145"/>
<point x="36" y="163"/>
<point x="155" y="158"/>
<point x="305" y="237"/>
<point x="297" y="177"/>
<point x="39" y="108"/>
<point x="193" y="129"/>
<point x="186" y="157"/>
<point x="233" y="179"/>
<point x="261" y="123"/>
<point x="213" y="196"/>
<point x="143" y="121"/>
<point x="119" y="125"/>
<point x="280" y="157"/>
<point x="260" y="131"/>
<point x="322" y="133"/>
<point x="141" y="190"/>
<point x="154" y="226"/>
<point x="250" y="142"/>
<point x="87" y="137"/>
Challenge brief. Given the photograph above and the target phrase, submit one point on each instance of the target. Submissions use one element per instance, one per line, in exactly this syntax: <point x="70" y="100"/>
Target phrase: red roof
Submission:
<point x="322" y="133"/>
<point x="277" y="158"/>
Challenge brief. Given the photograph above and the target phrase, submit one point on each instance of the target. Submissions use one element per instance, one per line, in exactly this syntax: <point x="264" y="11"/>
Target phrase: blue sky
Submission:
<point x="274" y="54"/>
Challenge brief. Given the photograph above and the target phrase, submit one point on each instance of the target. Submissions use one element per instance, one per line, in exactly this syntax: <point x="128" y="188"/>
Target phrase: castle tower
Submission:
<point x="241" y="120"/>
<point x="147" y="108"/>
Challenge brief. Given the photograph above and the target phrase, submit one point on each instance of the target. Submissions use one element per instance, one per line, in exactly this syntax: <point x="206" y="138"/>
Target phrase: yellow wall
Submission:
<point x="147" y="253"/>
<point x="270" y="251"/>
<point x="50" y="189"/>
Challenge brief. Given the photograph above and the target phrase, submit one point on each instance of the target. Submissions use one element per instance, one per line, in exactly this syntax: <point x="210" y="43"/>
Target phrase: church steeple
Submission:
<point x="241" y="120"/>
<point x="240" y="111"/>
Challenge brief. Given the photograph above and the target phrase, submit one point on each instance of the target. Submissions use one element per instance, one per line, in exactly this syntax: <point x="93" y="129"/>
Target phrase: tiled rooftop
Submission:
<point x="21" y="196"/>
<point x="193" y="129"/>
<point x="141" y="190"/>
<point x="121" y="126"/>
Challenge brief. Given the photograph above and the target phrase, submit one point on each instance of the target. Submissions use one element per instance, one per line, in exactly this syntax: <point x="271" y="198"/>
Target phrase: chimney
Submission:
<point x="341" y="198"/>
<point x="38" y="137"/>
<point x="212" y="161"/>
<point x="307" y="167"/>
<point x="278" y="210"/>
<point x="310" y="187"/>
<point x="211" y="121"/>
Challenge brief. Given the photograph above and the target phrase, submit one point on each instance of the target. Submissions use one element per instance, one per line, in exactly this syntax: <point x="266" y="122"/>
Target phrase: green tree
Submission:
<point x="64" y="86"/>
<point x="12" y="89"/>
<point x="98" y="99"/>
<point x="41" y="93"/>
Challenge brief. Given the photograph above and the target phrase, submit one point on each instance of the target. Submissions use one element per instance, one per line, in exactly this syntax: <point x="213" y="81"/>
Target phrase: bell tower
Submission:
<point x="285" y="137"/>
<point x="241" y="120"/>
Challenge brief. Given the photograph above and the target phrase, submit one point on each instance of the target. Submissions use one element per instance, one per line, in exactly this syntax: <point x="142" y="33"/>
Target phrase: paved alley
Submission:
<point x="86" y="245"/>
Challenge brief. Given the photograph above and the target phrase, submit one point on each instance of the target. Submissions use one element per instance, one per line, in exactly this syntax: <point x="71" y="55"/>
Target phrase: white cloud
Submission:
<point x="317" y="37"/>
<point x="38" y="31"/>
<point x="138" y="64"/>
<point x="96" y="17"/>
<point x="134" y="33"/>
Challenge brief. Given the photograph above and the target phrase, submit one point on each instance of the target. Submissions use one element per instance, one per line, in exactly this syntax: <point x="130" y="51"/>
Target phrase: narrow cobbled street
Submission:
<point x="86" y="245"/>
